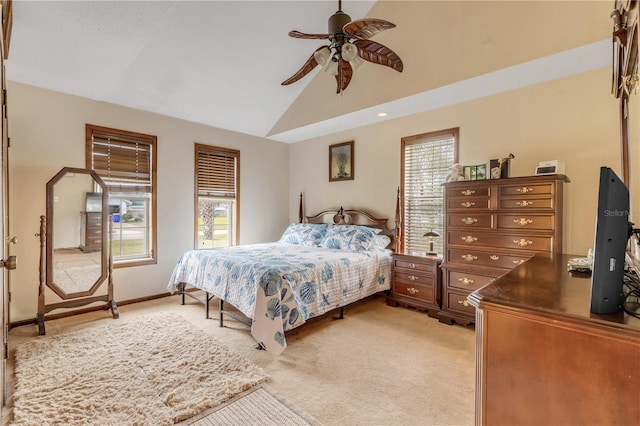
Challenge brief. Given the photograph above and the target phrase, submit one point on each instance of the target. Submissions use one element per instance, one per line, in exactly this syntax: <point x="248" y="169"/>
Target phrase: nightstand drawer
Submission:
<point x="419" y="266"/>
<point x="414" y="290"/>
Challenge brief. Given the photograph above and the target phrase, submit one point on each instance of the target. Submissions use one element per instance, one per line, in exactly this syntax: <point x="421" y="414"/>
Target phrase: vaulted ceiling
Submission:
<point x="220" y="63"/>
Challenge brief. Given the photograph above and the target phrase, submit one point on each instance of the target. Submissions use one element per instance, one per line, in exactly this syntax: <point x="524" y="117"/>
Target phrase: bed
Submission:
<point x="322" y="263"/>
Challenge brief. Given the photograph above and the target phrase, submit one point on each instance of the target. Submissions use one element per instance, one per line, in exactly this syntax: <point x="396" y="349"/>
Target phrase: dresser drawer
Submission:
<point x="525" y="203"/>
<point x="418" y="266"/>
<point x="94" y="234"/>
<point x="539" y="222"/>
<point x="416" y="291"/>
<point x="458" y="302"/>
<point x="94" y="220"/>
<point x="533" y="188"/>
<point x="468" y="203"/>
<point x="468" y="191"/>
<point x="470" y="220"/>
<point x="488" y="258"/>
<point x="490" y="239"/>
<point x="467" y="281"/>
<point x="409" y="276"/>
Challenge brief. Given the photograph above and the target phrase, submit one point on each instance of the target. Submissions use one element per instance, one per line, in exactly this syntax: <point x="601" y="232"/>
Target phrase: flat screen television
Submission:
<point x="610" y="245"/>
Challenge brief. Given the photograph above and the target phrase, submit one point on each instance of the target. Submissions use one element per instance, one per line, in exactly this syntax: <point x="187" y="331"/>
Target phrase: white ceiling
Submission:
<point x="220" y="63"/>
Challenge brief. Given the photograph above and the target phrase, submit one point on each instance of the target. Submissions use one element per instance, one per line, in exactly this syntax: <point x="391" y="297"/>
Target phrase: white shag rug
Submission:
<point x="155" y="369"/>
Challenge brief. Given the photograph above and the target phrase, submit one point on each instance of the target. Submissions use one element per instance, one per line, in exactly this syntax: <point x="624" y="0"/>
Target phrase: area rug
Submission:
<point x="259" y="406"/>
<point x="150" y="370"/>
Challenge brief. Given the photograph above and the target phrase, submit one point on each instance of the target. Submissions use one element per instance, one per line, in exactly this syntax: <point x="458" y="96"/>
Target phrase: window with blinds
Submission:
<point x="126" y="162"/>
<point x="217" y="196"/>
<point x="426" y="160"/>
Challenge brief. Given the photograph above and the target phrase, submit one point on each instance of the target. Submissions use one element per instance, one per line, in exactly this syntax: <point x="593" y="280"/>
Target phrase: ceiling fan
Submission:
<point x="349" y="46"/>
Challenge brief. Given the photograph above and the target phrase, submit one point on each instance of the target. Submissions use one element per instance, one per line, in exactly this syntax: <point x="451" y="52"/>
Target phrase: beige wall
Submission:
<point x="574" y="120"/>
<point x="47" y="133"/>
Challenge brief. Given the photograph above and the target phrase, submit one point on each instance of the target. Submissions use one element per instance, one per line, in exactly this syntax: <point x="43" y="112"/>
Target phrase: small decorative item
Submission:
<point x="431" y="234"/>
<point x="455" y="173"/>
<point x="499" y="167"/>
<point x="481" y="172"/>
<point x="467" y="172"/>
<point x="341" y="161"/>
<point x="474" y="172"/>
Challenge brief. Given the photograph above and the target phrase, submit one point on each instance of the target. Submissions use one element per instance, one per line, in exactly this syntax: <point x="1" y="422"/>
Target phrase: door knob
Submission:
<point x="10" y="263"/>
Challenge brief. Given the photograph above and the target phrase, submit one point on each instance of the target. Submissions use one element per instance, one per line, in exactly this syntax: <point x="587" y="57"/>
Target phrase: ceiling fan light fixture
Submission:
<point x="331" y="67"/>
<point x="349" y="52"/>
<point x="322" y="56"/>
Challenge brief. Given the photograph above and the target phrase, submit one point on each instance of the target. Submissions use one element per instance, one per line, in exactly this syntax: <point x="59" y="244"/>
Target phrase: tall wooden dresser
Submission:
<point x="491" y="227"/>
<point x="91" y="231"/>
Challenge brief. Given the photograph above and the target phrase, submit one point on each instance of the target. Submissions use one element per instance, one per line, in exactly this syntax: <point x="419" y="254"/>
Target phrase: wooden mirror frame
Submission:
<point x="80" y="298"/>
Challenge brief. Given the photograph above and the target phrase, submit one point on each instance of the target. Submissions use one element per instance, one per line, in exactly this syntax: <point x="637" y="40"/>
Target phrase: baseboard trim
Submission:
<point x="86" y="310"/>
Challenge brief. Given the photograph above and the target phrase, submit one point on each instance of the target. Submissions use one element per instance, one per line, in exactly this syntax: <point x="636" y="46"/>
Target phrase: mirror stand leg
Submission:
<point x="40" y="318"/>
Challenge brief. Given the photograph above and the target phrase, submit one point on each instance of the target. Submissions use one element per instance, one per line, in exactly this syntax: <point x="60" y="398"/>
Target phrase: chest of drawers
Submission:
<point x="91" y="231"/>
<point x="491" y="227"/>
<point x="416" y="282"/>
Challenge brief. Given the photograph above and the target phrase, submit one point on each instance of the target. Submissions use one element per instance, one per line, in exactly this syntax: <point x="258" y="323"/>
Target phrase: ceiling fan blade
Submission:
<point x="367" y="28"/>
<point x="305" y="69"/>
<point x="378" y="54"/>
<point x="298" y="34"/>
<point x="343" y="78"/>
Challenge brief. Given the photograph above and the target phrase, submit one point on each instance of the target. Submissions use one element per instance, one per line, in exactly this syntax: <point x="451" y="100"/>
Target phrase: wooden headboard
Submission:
<point x="352" y="217"/>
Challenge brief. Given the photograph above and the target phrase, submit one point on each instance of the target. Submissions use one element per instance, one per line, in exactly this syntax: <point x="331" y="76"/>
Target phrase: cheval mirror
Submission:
<point x="75" y="247"/>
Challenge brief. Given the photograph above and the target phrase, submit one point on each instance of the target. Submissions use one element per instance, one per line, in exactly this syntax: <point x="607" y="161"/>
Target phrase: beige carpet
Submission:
<point x="259" y="406"/>
<point x="154" y="369"/>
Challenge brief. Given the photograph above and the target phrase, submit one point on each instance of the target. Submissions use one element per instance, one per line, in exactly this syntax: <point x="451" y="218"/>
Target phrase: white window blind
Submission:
<point x="426" y="162"/>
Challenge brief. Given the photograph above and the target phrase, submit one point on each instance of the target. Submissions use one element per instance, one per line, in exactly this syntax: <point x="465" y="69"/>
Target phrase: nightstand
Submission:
<point x="416" y="282"/>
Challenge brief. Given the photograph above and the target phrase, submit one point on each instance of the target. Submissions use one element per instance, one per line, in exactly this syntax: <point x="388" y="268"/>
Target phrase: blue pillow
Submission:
<point x="304" y="234"/>
<point x="348" y="237"/>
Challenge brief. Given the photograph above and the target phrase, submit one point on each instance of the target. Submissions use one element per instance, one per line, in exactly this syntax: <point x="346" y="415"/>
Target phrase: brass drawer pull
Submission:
<point x="463" y="303"/>
<point x="413" y="290"/>
<point x="466" y="281"/>
<point x="469" y="220"/>
<point x="469" y="239"/>
<point x="523" y="221"/>
<point x="468" y="192"/>
<point x="413" y="265"/>
<point x="468" y="204"/>
<point x="494" y="257"/>
<point x="469" y="257"/>
<point x="524" y="203"/>
<point x="412" y="278"/>
<point x="518" y="262"/>
<point x="522" y="242"/>
<point x="524" y="189"/>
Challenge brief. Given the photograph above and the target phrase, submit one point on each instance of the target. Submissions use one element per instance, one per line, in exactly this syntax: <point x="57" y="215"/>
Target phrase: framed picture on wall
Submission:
<point x="341" y="161"/>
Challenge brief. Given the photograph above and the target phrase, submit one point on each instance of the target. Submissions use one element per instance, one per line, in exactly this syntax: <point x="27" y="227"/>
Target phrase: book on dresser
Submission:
<point x="491" y="227"/>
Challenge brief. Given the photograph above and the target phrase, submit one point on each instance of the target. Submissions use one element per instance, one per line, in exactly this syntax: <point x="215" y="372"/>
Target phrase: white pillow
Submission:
<point x="304" y="234"/>
<point x="348" y="237"/>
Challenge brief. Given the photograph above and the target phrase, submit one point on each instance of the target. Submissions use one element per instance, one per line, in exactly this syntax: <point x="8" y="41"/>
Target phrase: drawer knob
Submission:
<point x="494" y="257"/>
<point x="413" y="278"/>
<point x="523" y="221"/>
<point x="466" y="281"/>
<point x="469" y="257"/>
<point x="468" y="204"/>
<point x="413" y="290"/>
<point x="469" y="239"/>
<point x="518" y="262"/>
<point x="463" y="302"/>
<point x="468" y="192"/>
<point x="522" y="242"/>
<point x="524" y="203"/>
<point x="524" y="189"/>
<point x="469" y="220"/>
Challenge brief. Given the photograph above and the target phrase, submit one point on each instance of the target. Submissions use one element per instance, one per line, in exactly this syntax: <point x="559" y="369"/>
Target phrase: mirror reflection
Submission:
<point x="76" y="234"/>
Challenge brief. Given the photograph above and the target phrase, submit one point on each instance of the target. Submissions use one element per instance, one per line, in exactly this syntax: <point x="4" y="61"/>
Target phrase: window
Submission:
<point x="426" y="160"/>
<point x="217" y="196"/>
<point x="126" y="162"/>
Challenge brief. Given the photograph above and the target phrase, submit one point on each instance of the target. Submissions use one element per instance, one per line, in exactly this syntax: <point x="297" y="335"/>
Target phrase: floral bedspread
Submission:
<point x="279" y="285"/>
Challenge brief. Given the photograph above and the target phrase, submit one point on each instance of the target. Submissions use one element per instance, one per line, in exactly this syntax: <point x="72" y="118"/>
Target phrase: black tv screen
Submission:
<point x="610" y="245"/>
